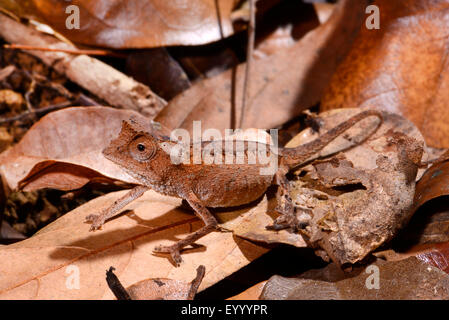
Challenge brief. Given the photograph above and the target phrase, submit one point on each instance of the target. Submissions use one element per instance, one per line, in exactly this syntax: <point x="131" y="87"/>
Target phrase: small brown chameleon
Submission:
<point x="147" y="158"/>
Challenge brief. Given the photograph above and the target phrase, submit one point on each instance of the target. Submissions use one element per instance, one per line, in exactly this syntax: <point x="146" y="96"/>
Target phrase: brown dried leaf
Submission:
<point x="158" y="70"/>
<point x="133" y="23"/>
<point x="359" y="199"/>
<point x="408" y="279"/>
<point x="281" y="86"/>
<point x="436" y="254"/>
<point x="166" y="289"/>
<point x="251" y="225"/>
<point x="38" y="267"/>
<point x="429" y="224"/>
<point x="252" y="293"/>
<point x="63" y="150"/>
<point x="433" y="184"/>
<point x="400" y="68"/>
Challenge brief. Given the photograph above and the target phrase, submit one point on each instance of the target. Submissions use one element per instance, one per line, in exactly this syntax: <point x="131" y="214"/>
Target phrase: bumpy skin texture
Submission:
<point x="149" y="159"/>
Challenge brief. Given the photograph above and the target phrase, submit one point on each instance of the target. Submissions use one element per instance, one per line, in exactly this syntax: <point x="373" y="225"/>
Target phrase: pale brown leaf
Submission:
<point x="63" y="150"/>
<point x="39" y="267"/>
<point x="133" y="23"/>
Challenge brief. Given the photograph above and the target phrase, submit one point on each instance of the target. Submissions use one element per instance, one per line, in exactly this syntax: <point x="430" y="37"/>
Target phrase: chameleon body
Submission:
<point x="148" y="159"/>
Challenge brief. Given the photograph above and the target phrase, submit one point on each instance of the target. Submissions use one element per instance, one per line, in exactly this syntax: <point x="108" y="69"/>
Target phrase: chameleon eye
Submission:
<point x="142" y="148"/>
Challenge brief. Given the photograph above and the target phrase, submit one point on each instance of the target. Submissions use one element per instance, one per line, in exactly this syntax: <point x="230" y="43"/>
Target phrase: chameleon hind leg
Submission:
<point x="210" y="224"/>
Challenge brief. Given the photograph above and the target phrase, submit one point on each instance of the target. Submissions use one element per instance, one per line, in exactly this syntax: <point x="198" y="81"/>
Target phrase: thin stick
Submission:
<point x="195" y="284"/>
<point x="249" y="58"/>
<point x="116" y="286"/>
<point x="37" y="112"/>
<point x="71" y="51"/>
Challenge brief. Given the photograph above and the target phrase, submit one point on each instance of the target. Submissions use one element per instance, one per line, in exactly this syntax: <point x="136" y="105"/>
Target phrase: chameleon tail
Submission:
<point x="294" y="157"/>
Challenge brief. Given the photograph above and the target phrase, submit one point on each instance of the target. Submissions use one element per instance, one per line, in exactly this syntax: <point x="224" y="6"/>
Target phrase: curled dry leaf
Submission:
<point x="166" y="289"/>
<point x="281" y="86"/>
<point x="38" y="267"/>
<point x="409" y="279"/>
<point x="401" y="67"/>
<point x="433" y="184"/>
<point x="63" y="150"/>
<point x="354" y="202"/>
<point x="133" y="23"/>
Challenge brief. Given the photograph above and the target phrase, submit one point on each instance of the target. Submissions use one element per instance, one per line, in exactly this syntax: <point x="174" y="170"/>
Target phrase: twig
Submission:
<point x="71" y="51"/>
<point x="37" y="112"/>
<point x="195" y="284"/>
<point x="116" y="286"/>
<point x="249" y="58"/>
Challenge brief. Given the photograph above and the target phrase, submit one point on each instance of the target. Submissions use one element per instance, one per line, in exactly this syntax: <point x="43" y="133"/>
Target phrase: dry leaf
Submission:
<point x="39" y="267"/>
<point x="252" y="293"/>
<point x="158" y="70"/>
<point x="436" y="254"/>
<point x="166" y="289"/>
<point x="281" y="86"/>
<point x="429" y="224"/>
<point x="251" y="225"/>
<point x="400" y="67"/>
<point x="133" y="23"/>
<point x="63" y="150"/>
<point x="408" y="279"/>
<point x="433" y="184"/>
<point x="354" y="202"/>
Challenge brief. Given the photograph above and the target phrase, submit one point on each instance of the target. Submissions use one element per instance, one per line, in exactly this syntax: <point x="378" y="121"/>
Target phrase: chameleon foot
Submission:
<point x="172" y="250"/>
<point x="97" y="221"/>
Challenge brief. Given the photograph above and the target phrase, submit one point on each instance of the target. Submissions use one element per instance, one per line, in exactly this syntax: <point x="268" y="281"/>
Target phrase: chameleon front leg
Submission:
<point x="210" y="225"/>
<point x="99" y="219"/>
<point x="288" y="218"/>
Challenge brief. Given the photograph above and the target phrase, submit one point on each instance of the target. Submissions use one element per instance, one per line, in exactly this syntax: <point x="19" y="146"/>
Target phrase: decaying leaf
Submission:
<point x="63" y="150"/>
<point x="38" y="267"/>
<point x="352" y="203"/>
<point x="281" y="86"/>
<point x="133" y="23"/>
<point x="401" y="67"/>
<point x="409" y="279"/>
<point x="436" y="254"/>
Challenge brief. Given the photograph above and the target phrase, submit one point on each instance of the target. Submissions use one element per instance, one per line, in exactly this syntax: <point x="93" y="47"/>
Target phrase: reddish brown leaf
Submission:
<point x="281" y="86"/>
<point x="134" y="23"/>
<point x="58" y="149"/>
<point x="401" y="67"/>
<point x="433" y="184"/>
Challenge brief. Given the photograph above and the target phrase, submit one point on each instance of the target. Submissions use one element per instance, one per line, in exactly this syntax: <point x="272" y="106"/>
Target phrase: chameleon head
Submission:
<point x="132" y="149"/>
